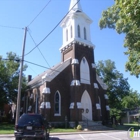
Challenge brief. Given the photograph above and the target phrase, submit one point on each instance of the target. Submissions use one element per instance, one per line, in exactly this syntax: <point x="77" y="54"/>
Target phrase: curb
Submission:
<point x="70" y="133"/>
<point x="6" y="135"/>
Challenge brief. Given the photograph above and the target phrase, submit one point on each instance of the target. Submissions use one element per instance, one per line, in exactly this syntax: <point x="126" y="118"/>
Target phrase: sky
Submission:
<point x="15" y="15"/>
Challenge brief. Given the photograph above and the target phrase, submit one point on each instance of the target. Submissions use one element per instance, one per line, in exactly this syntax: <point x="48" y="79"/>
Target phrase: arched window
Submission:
<point x="84" y="71"/>
<point x="71" y="31"/>
<point x="78" y="29"/>
<point x="67" y="35"/>
<point x="85" y="34"/>
<point x="57" y="103"/>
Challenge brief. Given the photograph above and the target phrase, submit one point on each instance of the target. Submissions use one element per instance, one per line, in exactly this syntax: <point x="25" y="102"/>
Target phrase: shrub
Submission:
<point x="79" y="127"/>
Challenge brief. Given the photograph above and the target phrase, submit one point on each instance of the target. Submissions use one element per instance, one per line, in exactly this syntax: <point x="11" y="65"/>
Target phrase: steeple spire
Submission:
<point x="77" y="6"/>
<point x="76" y="26"/>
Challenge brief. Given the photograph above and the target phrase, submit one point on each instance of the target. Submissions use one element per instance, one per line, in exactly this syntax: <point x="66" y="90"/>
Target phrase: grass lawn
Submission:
<point x="61" y="130"/>
<point x="6" y="128"/>
<point x="126" y="126"/>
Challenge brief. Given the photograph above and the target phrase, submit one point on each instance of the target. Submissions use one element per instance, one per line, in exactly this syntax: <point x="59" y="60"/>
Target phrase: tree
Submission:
<point x="132" y="100"/>
<point x="118" y="86"/>
<point x="124" y="17"/>
<point x="9" y="77"/>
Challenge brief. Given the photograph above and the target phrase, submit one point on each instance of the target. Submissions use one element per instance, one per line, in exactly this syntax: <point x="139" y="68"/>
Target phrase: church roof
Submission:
<point x="100" y="81"/>
<point x="77" y="6"/>
<point x="50" y="74"/>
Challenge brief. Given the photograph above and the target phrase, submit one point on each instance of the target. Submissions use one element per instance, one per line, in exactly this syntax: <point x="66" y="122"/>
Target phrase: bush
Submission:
<point x="79" y="127"/>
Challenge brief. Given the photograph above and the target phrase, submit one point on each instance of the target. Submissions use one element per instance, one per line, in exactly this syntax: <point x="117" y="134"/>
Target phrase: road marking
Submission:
<point x="50" y="137"/>
<point x="110" y="136"/>
<point x="82" y="137"/>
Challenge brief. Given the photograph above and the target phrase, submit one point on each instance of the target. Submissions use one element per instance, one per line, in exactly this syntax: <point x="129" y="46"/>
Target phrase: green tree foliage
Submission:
<point x="9" y="77"/>
<point x="132" y="100"/>
<point x="118" y="86"/>
<point x="124" y="17"/>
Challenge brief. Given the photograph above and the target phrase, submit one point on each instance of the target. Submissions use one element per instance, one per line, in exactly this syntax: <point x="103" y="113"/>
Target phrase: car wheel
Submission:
<point x="37" y="139"/>
<point x="47" y="136"/>
<point x="18" y="138"/>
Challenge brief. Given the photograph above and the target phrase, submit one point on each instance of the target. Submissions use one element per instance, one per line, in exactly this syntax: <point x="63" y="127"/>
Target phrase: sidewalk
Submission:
<point x="69" y="133"/>
<point x="6" y="135"/>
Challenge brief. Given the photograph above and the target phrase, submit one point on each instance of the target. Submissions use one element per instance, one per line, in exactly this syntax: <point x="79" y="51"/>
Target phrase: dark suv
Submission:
<point x="31" y="126"/>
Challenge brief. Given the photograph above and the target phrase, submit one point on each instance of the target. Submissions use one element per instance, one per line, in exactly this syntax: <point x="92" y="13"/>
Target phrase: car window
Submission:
<point x="25" y="119"/>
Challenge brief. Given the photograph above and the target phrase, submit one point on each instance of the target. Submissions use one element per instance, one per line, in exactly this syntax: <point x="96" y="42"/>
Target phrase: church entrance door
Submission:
<point x="87" y="106"/>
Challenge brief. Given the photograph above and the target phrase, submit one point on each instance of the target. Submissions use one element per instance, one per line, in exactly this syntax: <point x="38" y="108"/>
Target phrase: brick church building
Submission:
<point x="71" y="89"/>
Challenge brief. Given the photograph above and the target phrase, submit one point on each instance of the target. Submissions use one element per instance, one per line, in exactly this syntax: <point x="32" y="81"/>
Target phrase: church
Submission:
<point x="70" y="90"/>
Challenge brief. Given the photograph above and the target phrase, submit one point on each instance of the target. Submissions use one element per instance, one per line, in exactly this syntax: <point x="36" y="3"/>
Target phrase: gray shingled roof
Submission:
<point x="50" y="74"/>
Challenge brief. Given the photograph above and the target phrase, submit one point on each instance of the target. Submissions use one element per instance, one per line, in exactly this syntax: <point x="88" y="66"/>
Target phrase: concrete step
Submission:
<point x="92" y="125"/>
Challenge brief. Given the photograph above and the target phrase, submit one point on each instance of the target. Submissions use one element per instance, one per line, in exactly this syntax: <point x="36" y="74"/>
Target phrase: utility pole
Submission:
<point x="20" y="79"/>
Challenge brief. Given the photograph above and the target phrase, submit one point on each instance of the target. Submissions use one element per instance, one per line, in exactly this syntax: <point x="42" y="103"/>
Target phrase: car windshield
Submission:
<point x="33" y="119"/>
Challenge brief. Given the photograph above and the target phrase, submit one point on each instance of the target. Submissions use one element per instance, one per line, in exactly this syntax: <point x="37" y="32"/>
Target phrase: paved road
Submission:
<point x="93" y="136"/>
<point x="111" y="135"/>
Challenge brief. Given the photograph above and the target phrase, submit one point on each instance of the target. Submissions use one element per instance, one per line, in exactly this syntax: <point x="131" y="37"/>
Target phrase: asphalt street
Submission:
<point x="92" y="135"/>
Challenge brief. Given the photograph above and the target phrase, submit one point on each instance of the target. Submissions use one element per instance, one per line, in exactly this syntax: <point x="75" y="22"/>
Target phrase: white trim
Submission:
<point x="75" y="61"/>
<point x="71" y="106"/>
<point x="79" y="105"/>
<point x="98" y="106"/>
<point x="107" y="107"/>
<point x="46" y="90"/>
<point x="96" y="85"/>
<point x="88" y="44"/>
<point x="31" y="96"/>
<point x="106" y="96"/>
<point x="75" y="83"/>
<point x="29" y="108"/>
<point x="93" y="65"/>
<point x="45" y="105"/>
<point x="57" y="114"/>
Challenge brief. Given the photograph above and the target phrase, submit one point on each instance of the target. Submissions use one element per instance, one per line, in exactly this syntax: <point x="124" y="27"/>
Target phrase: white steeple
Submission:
<point x="76" y="7"/>
<point x="76" y="26"/>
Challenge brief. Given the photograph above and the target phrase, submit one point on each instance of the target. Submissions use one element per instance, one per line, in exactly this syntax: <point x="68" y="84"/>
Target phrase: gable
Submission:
<point x="50" y="74"/>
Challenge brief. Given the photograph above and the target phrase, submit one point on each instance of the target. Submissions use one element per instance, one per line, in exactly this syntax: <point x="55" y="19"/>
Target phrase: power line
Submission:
<point x="39" y="49"/>
<point x="6" y="26"/>
<point x="39" y="13"/>
<point x="50" y="31"/>
<point x="48" y="68"/>
<point x="18" y="60"/>
<point x="41" y="66"/>
<point x="33" y="70"/>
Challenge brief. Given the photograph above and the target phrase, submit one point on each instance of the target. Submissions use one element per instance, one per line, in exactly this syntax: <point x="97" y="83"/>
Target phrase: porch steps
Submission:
<point x="91" y="125"/>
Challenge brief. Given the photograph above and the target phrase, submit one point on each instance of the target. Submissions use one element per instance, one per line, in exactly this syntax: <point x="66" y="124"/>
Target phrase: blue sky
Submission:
<point x="20" y="13"/>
